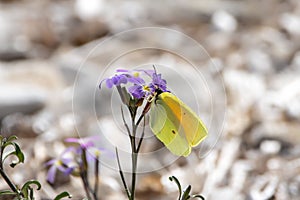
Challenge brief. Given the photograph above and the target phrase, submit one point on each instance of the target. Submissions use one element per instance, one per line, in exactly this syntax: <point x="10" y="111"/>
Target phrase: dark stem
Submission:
<point x="140" y="119"/>
<point x="134" y="155"/>
<point x="124" y="122"/>
<point x="85" y="185"/>
<point x="122" y="175"/>
<point x="84" y="174"/>
<point x="95" y="192"/>
<point x="134" y="149"/>
<point x="142" y="136"/>
<point x="8" y="181"/>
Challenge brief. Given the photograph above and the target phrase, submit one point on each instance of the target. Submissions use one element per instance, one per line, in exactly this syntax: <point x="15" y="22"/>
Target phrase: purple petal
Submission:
<point x="122" y="70"/>
<point x="115" y="79"/>
<point x="109" y="83"/>
<point x="158" y="83"/>
<point x="51" y="174"/>
<point x="87" y="144"/>
<point x="66" y="161"/>
<point x="65" y="170"/>
<point x="136" y="91"/>
<point x="50" y="162"/>
<point x="122" y="79"/>
<point x="136" y="80"/>
<point x="72" y="140"/>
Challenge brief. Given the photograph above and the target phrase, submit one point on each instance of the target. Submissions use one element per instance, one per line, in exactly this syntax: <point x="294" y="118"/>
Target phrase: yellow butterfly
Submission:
<point x="175" y="124"/>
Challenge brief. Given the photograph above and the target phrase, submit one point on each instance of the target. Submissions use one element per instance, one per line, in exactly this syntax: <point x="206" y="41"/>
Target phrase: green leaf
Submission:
<point x="28" y="189"/>
<point x="198" y="196"/>
<point x="28" y="183"/>
<point x="186" y="193"/>
<point x="18" y="153"/>
<point x="12" y="138"/>
<point x="63" y="195"/>
<point x="173" y="178"/>
<point x="3" y="192"/>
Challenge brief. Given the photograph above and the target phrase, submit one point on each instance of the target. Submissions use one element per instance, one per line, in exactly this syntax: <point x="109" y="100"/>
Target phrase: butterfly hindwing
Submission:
<point x="166" y="128"/>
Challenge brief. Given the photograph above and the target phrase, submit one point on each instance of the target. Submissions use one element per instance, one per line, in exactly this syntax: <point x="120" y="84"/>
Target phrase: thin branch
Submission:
<point x="8" y="181"/>
<point x="134" y="157"/>
<point x="96" y="184"/>
<point x="122" y="175"/>
<point x="125" y="124"/>
<point x="142" y="136"/>
<point x="83" y="174"/>
<point x="140" y="119"/>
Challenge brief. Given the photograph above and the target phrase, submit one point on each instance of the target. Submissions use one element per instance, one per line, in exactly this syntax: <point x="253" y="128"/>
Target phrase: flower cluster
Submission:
<point x="139" y="89"/>
<point x="70" y="160"/>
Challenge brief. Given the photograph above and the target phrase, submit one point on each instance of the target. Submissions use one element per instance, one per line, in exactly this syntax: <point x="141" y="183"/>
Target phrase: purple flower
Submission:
<point x="84" y="143"/>
<point x="158" y="83"/>
<point x="139" y="91"/>
<point x="124" y="76"/>
<point x="87" y="144"/>
<point x="63" y="164"/>
<point x="116" y="80"/>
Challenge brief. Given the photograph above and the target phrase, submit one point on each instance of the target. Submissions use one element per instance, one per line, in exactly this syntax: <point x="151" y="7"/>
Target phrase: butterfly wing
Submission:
<point x="166" y="128"/>
<point x="178" y="127"/>
<point x="193" y="127"/>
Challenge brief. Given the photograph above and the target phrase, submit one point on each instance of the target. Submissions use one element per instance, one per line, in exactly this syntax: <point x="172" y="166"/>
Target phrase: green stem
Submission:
<point x="8" y="181"/>
<point x="3" y="174"/>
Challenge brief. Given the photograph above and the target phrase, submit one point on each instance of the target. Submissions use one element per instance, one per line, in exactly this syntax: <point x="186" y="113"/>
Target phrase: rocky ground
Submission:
<point x="53" y="55"/>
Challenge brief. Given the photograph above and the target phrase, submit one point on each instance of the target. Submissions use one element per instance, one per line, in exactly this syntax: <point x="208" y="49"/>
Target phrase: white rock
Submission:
<point x="87" y="10"/>
<point x="224" y="21"/>
<point x="290" y="22"/>
<point x="24" y="99"/>
<point x="244" y="88"/>
<point x="296" y="61"/>
<point x="259" y="61"/>
<point x="264" y="187"/>
<point x="270" y="146"/>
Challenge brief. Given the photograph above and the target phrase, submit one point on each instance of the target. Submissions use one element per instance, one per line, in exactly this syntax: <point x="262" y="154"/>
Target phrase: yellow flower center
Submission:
<point x="146" y="88"/>
<point x="58" y="163"/>
<point x="136" y="74"/>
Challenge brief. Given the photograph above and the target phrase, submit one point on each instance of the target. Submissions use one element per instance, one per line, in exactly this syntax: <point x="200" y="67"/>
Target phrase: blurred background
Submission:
<point x="255" y="44"/>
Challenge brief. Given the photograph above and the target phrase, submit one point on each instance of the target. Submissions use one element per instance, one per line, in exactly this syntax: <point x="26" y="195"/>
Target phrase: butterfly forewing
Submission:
<point x="189" y="123"/>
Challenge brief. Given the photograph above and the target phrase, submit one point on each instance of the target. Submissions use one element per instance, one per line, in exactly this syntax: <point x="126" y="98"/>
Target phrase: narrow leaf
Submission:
<point x="12" y="138"/>
<point x="173" y="178"/>
<point x="186" y="193"/>
<point x="3" y="192"/>
<point x="18" y="153"/>
<point x="198" y="196"/>
<point x="63" y="195"/>
<point x="26" y="186"/>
